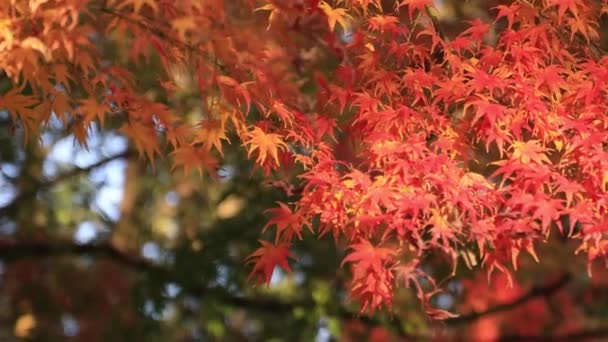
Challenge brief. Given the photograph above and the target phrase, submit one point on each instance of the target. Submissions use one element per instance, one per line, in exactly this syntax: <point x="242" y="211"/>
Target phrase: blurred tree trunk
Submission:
<point x="124" y="236"/>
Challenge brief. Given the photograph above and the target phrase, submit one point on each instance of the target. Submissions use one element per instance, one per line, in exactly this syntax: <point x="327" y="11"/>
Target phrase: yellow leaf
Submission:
<point x="36" y="44"/>
<point x="211" y="134"/>
<point x="335" y="15"/>
<point x="529" y="151"/>
<point x="265" y="144"/>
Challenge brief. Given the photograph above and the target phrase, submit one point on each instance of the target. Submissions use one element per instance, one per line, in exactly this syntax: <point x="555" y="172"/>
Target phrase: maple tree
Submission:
<point x="397" y="136"/>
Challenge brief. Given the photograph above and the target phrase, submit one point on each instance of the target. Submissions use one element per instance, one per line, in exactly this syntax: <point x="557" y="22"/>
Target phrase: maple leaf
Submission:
<point x="144" y="138"/>
<point x="435" y="37"/>
<point x="547" y="211"/>
<point x="366" y="256"/>
<point x="478" y="30"/>
<point x="283" y="113"/>
<point x="569" y="189"/>
<point x="287" y="222"/>
<point x="563" y="6"/>
<point x="588" y="29"/>
<point x="508" y="11"/>
<point x="266" y="258"/>
<point x="21" y="108"/>
<point x="416" y="5"/>
<point x="372" y="274"/>
<point x="240" y="88"/>
<point x="324" y="125"/>
<point x="267" y="144"/>
<point x="551" y="76"/>
<point x="61" y="75"/>
<point x="383" y="23"/>
<point x="441" y="229"/>
<point x="61" y="105"/>
<point x="490" y="111"/>
<point x="190" y="158"/>
<point x="529" y="151"/>
<point x="336" y="16"/>
<point x="211" y="134"/>
<point x="480" y="80"/>
<point x="92" y="110"/>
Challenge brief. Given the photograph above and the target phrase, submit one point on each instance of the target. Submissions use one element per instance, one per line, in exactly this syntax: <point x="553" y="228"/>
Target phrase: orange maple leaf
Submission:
<point x="211" y="134"/>
<point x="92" y="110"/>
<point x="194" y="158"/>
<point x="266" y="144"/>
<point x="144" y="137"/>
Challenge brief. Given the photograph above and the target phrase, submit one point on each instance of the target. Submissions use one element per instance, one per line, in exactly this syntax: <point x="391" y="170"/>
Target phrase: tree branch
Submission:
<point x="536" y="292"/>
<point x="7" y="209"/>
<point x="13" y="250"/>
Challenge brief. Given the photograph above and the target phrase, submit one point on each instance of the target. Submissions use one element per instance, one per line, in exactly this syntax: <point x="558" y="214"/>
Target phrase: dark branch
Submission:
<point x="81" y="170"/>
<point x="25" y="195"/>
<point x="12" y="250"/>
<point x="535" y="292"/>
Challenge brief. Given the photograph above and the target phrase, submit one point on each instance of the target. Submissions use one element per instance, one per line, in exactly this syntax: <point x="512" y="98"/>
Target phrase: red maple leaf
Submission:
<point x="288" y="223"/>
<point x="266" y="258"/>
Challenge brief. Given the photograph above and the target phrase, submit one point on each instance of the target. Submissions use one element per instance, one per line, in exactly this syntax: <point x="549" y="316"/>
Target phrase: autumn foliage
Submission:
<point x="400" y="138"/>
